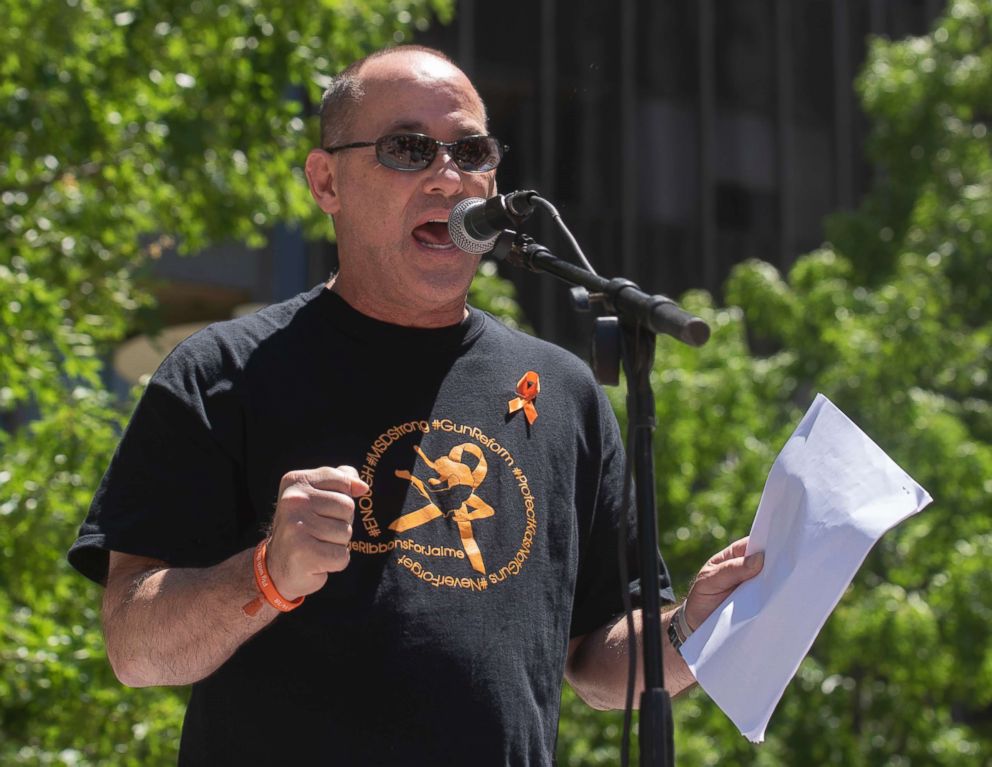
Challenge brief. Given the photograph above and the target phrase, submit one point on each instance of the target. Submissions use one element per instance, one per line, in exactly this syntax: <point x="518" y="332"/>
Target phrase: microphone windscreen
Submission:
<point x="459" y="233"/>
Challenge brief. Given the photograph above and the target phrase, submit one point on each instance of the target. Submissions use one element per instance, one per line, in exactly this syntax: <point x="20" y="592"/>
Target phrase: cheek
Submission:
<point x="371" y="215"/>
<point x="483" y="186"/>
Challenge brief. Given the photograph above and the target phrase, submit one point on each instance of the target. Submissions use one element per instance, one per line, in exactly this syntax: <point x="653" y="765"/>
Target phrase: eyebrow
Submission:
<point x="407" y="125"/>
<point x="414" y="126"/>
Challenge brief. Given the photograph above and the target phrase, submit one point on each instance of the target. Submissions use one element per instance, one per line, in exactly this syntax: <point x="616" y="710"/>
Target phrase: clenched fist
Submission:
<point x="311" y="528"/>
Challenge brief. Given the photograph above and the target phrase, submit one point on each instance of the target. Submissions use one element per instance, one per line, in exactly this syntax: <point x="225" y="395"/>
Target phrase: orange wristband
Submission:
<point x="268" y="590"/>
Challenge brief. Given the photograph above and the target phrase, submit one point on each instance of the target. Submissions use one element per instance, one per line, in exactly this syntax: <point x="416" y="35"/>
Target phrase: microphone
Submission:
<point x="474" y="223"/>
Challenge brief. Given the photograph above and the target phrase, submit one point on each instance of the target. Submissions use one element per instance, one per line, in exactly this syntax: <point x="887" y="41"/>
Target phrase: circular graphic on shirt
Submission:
<point x="448" y="504"/>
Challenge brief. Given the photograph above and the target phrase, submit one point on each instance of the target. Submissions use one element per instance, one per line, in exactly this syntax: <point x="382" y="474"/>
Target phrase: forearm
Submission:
<point x="172" y="626"/>
<point x="175" y="626"/>
<point x="598" y="665"/>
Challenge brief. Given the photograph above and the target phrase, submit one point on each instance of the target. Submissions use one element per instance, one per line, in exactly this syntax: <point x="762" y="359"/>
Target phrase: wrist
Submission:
<point x="679" y="629"/>
<point x="266" y="588"/>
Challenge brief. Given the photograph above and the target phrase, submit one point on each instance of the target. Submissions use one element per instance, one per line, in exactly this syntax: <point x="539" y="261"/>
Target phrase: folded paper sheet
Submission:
<point x="829" y="497"/>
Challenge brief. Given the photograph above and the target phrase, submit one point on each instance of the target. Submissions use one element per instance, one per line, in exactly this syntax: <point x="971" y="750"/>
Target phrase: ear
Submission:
<point x="321" y="170"/>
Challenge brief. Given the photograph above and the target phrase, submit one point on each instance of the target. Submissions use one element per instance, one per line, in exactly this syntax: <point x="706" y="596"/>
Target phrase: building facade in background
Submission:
<point x="676" y="137"/>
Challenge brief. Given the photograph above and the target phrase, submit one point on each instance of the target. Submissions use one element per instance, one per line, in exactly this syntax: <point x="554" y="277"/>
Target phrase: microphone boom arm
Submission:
<point x="657" y="313"/>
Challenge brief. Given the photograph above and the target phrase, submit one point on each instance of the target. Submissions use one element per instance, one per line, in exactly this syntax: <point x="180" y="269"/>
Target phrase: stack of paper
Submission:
<point x="829" y="497"/>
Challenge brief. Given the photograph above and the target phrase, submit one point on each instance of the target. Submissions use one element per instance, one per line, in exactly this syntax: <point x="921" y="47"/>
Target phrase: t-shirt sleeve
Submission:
<point x="598" y="593"/>
<point x="172" y="491"/>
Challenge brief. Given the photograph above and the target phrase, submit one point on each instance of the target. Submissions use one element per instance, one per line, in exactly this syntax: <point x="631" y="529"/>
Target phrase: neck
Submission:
<point x="380" y="308"/>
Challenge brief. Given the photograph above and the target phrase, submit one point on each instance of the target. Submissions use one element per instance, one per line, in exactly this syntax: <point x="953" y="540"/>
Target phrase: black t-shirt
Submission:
<point x="485" y="543"/>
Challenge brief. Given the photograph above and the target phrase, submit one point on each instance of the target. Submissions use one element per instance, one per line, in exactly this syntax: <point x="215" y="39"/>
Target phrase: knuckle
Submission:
<point x="306" y="478"/>
<point x="342" y="532"/>
<point x="291" y="478"/>
<point x="293" y="497"/>
<point x="349" y="513"/>
<point x="339" y="506"/>
<point x="323" y="473"/>
<point x="349" y="471"/>
<point x="339" y="557"/>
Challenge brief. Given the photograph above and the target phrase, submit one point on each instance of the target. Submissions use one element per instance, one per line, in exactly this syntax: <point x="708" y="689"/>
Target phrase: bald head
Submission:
<point x="415" y="63"/>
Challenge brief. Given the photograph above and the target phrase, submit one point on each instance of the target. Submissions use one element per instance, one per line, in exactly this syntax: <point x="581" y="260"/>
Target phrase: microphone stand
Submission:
<point x="637" y="319"/>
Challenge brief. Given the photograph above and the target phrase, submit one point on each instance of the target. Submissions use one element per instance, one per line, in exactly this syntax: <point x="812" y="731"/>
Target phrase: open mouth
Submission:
<point x="434" y="235"/>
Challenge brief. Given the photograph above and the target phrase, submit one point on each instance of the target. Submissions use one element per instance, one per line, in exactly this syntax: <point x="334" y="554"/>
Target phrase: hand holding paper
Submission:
<point x="718" y="579"/>
<point x="829" y="497"/>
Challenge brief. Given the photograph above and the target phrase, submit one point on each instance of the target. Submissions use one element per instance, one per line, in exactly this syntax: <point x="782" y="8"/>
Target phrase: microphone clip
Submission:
<point x="509" y="211"/>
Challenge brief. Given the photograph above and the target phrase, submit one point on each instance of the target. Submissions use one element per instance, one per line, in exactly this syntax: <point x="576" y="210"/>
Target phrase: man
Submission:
<point x="446" y="492"/>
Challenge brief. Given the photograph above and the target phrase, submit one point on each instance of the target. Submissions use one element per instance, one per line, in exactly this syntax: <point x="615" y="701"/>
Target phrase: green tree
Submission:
<point x="184" y="119"/>
<point x="125" y="127"/>
<point x="892" y="319"/>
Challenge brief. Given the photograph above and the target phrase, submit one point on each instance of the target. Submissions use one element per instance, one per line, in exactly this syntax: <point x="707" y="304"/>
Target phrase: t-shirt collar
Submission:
<point x="360" y="326"/>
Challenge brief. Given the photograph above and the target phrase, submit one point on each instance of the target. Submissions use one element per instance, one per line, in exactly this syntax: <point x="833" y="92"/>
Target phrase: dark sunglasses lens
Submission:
<point x="477" y="154"/>
<point x="406" y="151"/>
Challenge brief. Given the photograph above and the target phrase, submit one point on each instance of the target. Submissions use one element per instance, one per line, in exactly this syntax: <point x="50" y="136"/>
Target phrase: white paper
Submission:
<point x="829" y="496"/>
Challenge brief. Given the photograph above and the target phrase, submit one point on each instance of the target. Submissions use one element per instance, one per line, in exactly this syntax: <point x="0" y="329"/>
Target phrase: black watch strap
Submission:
<point x="678" y="628"/>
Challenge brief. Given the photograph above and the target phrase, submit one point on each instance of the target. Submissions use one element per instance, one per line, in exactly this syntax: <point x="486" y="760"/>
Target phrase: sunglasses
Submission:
<point x="415" y="151"/>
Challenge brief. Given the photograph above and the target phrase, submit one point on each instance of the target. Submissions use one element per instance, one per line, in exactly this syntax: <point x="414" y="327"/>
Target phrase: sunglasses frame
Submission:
<point x="502" y="149"/>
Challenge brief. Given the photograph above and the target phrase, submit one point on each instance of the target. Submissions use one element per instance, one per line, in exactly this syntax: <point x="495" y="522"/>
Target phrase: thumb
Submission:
<point x="358" y="485"/>
<point x="716" y="581"/>
<point x="728" y="574"/>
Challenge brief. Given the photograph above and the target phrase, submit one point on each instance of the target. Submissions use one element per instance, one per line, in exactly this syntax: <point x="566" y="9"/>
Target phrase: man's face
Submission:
<point x="395" y="263"/>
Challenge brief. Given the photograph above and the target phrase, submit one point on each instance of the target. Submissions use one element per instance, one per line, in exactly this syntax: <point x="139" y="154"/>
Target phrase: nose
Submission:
<point x="443" y="176"/>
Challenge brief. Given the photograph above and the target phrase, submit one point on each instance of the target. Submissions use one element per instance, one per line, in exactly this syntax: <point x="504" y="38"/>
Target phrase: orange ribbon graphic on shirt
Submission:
<point x="528" y="387"/>
<point x="456" y="483"/>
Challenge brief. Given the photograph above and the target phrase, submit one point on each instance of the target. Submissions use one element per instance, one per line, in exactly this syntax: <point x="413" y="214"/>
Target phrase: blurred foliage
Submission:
<point x="160" y="121"/>
<point x="892" y="320"/>
<point x="497" y="296"/>
<point x="126" y="128"/>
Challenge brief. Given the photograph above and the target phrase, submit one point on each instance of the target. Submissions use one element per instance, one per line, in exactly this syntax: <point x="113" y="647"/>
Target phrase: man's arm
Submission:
<point x="597" y="662"/>
<point x="174" y="626"/>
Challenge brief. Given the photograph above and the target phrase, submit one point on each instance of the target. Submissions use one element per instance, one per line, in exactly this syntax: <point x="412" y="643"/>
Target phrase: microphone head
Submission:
<point x="459" y="233"/>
